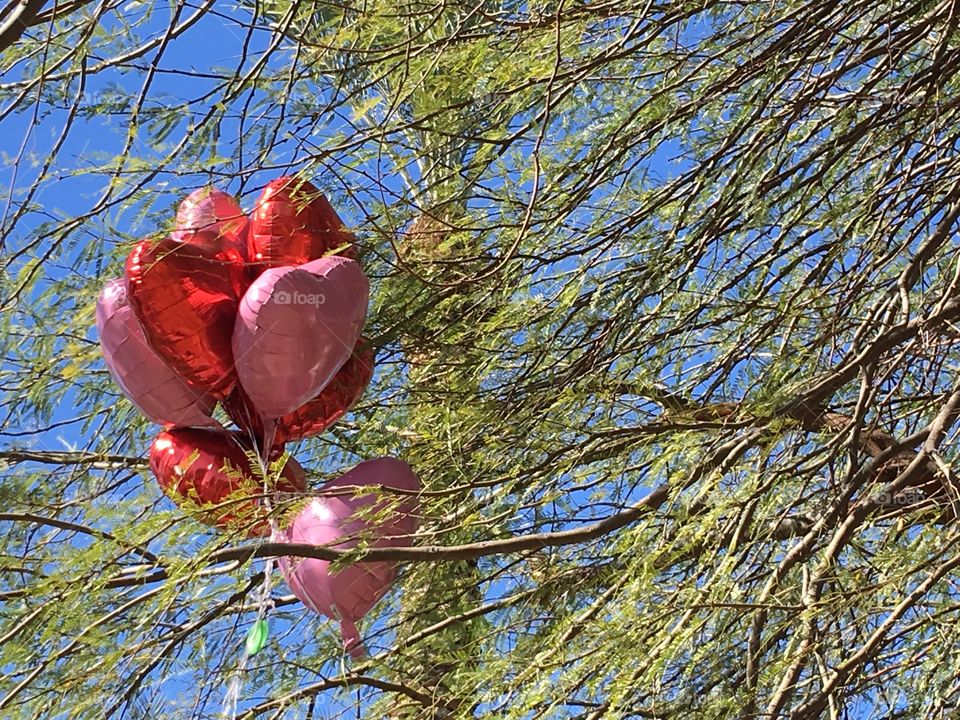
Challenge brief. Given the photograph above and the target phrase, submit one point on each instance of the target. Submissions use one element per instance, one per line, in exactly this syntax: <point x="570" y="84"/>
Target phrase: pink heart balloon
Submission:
<point x="159" y="393"/>
<point x="331" y="519"/>
<point x="212" y="210"/>
<point x="317" y="414"/>
<point x="295" y="328"/>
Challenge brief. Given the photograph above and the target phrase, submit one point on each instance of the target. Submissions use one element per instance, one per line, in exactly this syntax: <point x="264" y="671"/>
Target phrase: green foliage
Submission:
<point x="664" y="298"/>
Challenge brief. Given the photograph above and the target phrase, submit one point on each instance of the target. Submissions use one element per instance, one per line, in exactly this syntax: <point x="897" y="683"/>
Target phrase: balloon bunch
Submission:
<point x="263" y="314"/>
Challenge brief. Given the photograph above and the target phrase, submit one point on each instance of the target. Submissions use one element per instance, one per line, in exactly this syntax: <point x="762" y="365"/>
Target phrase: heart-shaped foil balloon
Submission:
<point x="208" y="475"/>
<point x="295" y="329"/>
<point x="142" y="374"/>
<point x="293" y="223"/>
<point x="185" y="295"/>
<point x="210" y="210"/>
<point x="316" y="415"/>
<point x="341" y="516"/>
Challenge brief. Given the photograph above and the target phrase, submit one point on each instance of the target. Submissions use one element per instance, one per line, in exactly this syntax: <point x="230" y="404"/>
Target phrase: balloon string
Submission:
<point x="233" y="692"/>
<point x="269" y="434"/>
<point x="264" y="603"/>
<point x="264" y="599"/>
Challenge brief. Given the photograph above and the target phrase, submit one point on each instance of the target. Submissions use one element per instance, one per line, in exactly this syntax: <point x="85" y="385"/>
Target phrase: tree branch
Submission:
<point x="16" y="19"/>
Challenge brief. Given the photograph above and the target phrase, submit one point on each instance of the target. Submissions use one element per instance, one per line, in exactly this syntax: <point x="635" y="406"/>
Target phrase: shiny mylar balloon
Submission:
<point x="339" y="518"/>
<point x="185" y="295"/>
<point x="295" y="329"/>
<point x="212" y="210"/>
<point x="144" y="377"/>
<point x="208" y="475"/>
<point x="293" y="223"/>
<point x="316" y="415"/>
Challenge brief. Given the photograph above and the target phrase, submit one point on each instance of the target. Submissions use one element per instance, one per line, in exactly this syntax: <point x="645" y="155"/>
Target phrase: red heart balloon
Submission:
<point x="333" y="402"/>
<point x="207" y="474"/>
<point x="185" y="295"/>
<point x="215" y="211"/>
<point x="314" y="416"/>
<point x="293" y="223"/>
